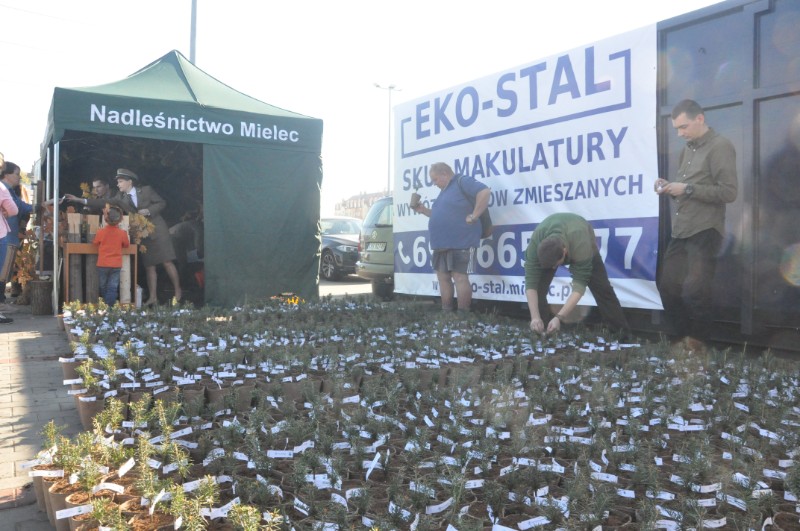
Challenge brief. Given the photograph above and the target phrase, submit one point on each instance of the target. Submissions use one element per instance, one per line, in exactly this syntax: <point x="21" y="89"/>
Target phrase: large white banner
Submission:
<point x="574" y="132"/>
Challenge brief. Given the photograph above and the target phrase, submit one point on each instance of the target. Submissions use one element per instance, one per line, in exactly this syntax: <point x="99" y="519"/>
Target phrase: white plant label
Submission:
<point x="73" y="511"/>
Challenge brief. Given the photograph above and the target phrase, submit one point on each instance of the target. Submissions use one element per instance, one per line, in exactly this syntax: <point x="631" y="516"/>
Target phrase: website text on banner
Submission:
<point x="574" y="132"/>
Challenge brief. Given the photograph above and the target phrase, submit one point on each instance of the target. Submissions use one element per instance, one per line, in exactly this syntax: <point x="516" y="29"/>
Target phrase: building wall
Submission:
<point x="357" y="206"/>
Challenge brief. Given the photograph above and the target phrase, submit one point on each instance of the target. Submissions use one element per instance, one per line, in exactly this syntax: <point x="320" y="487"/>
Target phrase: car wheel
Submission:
<point x="383" y="290"/>
<point x="328" y="266"/>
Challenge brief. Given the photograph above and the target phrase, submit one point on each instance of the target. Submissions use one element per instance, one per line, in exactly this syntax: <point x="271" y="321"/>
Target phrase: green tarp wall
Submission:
<point x="266" y="238"/>
<point x="262" y="170"/>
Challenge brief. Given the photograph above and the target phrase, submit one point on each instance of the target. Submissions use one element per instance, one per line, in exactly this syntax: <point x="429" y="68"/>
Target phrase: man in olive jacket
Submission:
<point x="568" y="239"/>
<point x="705" y="183"/>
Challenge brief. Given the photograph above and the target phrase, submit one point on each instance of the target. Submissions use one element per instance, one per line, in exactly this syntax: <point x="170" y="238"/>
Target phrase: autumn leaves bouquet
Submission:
<point x="140" y="228"/>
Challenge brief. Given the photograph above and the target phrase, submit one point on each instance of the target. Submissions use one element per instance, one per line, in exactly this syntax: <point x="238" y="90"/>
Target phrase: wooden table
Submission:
<point x="90" y="248"/>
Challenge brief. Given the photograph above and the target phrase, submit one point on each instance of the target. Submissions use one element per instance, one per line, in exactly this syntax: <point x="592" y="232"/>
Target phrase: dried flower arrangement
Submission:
<point x="140" y="228"/>
<point x="25" y="261"/>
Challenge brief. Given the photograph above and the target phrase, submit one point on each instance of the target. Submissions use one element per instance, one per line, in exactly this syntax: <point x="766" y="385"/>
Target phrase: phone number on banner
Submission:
<point x="628" y="248"/>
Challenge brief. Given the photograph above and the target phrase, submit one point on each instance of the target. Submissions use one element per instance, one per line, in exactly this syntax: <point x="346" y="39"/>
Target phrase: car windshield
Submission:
<point x="380" y="215"/>
<point x="340" y="226"/>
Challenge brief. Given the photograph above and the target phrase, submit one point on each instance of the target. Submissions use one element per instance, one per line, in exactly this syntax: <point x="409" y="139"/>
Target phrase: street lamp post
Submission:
<point x="389" y="89"/>
<point x="193" y="35"/>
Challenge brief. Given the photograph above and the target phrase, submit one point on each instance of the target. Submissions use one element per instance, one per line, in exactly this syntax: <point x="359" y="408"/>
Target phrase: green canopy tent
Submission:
<point x="261" y="169"/>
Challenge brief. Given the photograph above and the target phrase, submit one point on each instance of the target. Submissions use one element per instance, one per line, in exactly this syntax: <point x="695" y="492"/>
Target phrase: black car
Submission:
<point x="339" y="246"/>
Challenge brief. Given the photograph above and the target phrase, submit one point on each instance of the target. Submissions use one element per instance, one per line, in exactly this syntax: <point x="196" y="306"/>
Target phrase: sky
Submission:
<point x="320" y="58"/>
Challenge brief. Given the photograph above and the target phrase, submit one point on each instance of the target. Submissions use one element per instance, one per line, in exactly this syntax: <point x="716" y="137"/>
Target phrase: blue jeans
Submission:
<point x="3" y="247"/>
<point x="109" y="283"/>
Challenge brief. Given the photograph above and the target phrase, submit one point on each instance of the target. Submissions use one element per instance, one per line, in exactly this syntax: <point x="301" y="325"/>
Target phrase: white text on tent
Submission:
<point x="254" y="130"/>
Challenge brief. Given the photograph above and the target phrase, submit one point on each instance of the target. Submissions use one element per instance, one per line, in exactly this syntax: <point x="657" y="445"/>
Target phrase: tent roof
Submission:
<point x="180" y="95"/>
<point x="175" y="78"/>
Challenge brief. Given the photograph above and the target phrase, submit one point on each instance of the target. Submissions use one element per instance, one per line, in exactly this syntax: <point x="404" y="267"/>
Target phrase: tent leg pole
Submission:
<point x="56" y="172"/>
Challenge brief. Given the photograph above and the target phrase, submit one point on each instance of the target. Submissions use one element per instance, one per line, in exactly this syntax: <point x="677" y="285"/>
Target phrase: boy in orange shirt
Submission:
<point x="110" y="241"/>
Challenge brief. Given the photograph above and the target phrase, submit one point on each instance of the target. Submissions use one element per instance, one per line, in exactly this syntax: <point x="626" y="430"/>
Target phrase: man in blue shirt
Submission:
<point x="455" y="231"/>
<point x="10" y="180"/>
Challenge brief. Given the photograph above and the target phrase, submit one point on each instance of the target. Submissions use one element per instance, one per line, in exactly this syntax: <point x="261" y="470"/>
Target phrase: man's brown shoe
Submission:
<point x="695" y="345"/>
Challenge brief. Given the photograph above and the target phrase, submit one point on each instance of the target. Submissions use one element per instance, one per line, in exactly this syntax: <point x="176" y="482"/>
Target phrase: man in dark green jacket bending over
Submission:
<point x="568" y="239"/>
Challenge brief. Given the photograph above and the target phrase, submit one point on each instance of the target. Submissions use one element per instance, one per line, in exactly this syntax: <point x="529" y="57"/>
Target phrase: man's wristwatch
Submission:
<point x="689" y="190"/>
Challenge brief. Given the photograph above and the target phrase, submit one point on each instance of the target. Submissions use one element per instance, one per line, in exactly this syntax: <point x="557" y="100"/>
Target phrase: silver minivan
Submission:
<point x="376" y="248"/>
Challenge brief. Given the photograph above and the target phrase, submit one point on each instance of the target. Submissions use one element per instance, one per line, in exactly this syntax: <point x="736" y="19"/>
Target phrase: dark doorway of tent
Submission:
<point x="175" y="172"/>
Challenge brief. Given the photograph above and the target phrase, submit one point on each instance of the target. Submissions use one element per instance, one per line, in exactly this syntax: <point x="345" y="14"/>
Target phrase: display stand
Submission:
<point x="77" y="249"/>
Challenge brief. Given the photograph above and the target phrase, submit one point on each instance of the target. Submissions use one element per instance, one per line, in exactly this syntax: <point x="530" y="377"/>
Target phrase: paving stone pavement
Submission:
<point x="31" y="393"/>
